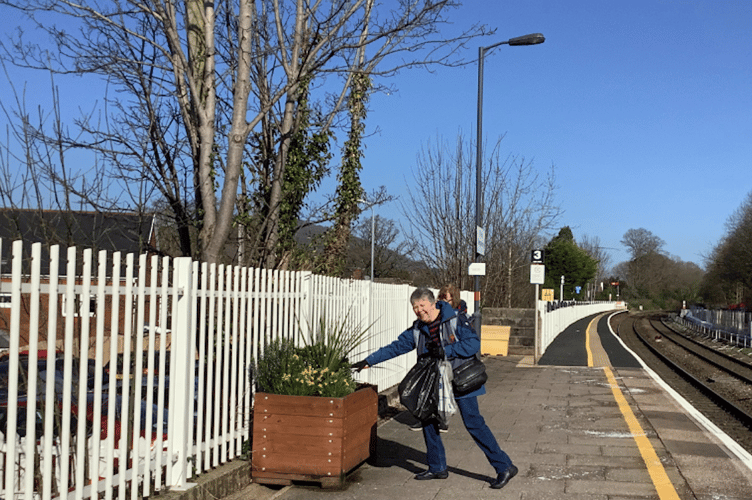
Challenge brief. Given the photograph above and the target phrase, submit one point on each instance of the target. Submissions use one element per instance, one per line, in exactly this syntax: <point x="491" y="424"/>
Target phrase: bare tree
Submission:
<point x="642" y="242"/>
<point x="518" y="207"/>
<point x="43" y="191"/>
<point x="647" y="267"/>
<point x="592" y="245"/>
<point x="654" y="277"/>
<point x="207" y="94"/>
<point x="36" y="174"/>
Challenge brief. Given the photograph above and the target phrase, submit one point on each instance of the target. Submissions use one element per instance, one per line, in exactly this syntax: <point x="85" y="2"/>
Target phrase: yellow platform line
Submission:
<point x="661" y="481"/>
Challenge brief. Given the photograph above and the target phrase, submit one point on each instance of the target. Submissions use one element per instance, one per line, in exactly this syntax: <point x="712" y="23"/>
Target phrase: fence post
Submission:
<point x="13" y="370"/>
<point x="366" y="303"/>
<point x="369" y="321"/>
<point x="304" y="312"/>
<point x="539" y="324"/>
<point x="182" y="372"/>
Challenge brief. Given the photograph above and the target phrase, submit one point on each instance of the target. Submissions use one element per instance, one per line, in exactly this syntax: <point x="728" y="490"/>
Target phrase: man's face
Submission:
<point x="425" y="310"/>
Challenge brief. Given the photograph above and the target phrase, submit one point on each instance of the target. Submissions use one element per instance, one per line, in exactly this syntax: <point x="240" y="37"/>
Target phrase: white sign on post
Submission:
<point x="537" y="274"/>
<point x="477" y="269"/>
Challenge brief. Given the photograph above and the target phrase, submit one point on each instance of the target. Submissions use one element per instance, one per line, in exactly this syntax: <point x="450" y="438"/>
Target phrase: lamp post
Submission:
<point x="532" y="39"/>
<point x="373" y="233"/>
<point x="370" y="283"/>
<point x="373" y="239"/>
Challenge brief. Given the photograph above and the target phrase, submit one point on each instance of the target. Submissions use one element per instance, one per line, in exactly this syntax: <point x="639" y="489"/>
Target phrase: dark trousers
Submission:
<point x="476" y="426"/>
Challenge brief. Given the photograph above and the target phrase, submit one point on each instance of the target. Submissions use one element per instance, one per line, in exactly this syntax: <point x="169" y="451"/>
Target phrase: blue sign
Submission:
<point x="480" y="238"/>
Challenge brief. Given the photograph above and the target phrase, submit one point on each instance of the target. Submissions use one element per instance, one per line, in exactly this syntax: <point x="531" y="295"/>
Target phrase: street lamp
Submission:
<point x="373" y="233"/>
<point x="532" y="39"/>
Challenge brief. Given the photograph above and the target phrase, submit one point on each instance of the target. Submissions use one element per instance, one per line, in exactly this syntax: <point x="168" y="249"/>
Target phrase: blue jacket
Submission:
<point x="457" y="336"/>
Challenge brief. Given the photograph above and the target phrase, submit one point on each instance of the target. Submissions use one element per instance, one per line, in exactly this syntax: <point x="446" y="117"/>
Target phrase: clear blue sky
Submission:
<point x="643" y="107"/>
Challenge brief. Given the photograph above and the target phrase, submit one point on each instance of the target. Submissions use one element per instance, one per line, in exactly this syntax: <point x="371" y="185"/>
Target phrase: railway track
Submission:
<point x="718" y="384"/>
<point x="710" y="352"/>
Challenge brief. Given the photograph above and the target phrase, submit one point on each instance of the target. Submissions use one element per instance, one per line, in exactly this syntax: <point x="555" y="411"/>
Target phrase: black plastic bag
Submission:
<point x="419" y="390"/>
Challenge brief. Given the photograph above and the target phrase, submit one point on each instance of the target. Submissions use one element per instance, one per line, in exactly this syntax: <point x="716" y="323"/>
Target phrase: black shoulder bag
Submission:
<point x="469" y="376"/>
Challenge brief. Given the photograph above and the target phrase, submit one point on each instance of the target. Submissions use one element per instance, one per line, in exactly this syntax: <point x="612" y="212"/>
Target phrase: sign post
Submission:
<point x="537" y="277"/>
<point x="480" y="249"/>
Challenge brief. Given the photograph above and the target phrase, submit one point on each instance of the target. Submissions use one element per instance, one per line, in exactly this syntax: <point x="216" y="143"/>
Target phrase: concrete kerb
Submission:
<point x="217" y="483"/>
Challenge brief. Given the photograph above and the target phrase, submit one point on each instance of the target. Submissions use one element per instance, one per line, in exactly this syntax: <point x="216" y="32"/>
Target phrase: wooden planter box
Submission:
<point x="303" y="438"/>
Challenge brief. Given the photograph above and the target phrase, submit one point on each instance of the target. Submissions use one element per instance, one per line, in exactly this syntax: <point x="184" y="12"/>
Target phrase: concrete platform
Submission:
<point x="607" y="431"/>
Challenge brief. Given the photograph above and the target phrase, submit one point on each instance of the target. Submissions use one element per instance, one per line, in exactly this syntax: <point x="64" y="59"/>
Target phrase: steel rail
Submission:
<point x="705" y="357"/>
<point x="738" y="413"/>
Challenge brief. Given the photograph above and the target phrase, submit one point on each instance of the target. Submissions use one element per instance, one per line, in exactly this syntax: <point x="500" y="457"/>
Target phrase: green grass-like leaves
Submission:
<point x="320" y="367"/>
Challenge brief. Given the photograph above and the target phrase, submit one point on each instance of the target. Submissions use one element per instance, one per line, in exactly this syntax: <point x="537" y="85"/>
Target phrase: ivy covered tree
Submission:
<point x="565" y="258"/>
<point x="349" y="189"/>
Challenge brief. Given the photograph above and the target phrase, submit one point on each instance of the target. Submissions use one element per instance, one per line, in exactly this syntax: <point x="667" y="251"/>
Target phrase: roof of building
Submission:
<point x="123" y="232"/>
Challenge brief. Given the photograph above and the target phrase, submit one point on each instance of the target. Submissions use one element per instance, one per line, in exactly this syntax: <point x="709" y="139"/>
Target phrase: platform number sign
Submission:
<point x="537" y="274"/>
<point x="537" y="257"/>
<point x="537" y="269"/>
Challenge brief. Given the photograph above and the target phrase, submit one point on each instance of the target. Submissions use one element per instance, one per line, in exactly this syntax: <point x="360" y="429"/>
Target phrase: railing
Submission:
<point x="726" y="320"/>
<point x="730" y="327"/>
<point x="96" y="429"/>
<point x="555" y="317"/>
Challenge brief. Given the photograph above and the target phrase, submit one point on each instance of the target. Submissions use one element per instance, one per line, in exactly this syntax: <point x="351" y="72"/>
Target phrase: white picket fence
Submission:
<point x="207" y="321"/>
<point x="554" y="320"/>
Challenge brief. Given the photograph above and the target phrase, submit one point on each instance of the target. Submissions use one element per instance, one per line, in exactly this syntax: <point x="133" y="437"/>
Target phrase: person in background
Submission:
<point x="439" y="331"/>
<point x="449" y="293"/>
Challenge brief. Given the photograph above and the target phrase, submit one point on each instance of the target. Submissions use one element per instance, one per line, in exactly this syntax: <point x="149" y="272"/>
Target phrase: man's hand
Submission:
<point x="360" y="365"/>
<point x="435" y="351"/>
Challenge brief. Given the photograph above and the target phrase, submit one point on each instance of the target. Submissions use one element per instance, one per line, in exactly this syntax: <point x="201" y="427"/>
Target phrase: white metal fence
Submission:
<point x="554" y="320"/>
<point x="85" y="426"/>
<point x="731" y="327"/>
<point x="730" y="321"/>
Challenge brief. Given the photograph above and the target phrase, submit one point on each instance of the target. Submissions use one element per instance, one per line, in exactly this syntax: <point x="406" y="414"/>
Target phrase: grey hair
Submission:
<point x="422" y="293"/>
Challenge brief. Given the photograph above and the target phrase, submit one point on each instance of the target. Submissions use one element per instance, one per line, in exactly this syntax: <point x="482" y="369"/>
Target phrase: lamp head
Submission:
<point x="532" y="39"/>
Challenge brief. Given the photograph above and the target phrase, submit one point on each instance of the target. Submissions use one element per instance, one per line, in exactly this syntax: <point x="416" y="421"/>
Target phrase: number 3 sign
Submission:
<point x="537" y="257"/>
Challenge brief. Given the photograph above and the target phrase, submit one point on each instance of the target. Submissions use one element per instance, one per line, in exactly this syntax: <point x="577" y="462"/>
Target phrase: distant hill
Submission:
<point x="406" y="270"/>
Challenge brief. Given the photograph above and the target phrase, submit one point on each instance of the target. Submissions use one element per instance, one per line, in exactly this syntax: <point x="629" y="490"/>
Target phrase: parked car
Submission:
<point x="59" y="391"/>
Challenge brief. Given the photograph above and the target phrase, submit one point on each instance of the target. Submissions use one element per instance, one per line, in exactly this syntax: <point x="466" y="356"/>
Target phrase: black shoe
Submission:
<point x="503" y="478"/>
<point x="443" y="427"/>
<point x="425" y="475"/>
<point x="417" y="426"/>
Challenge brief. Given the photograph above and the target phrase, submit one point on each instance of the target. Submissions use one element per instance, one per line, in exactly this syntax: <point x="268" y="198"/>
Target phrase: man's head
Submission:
<point x="424" y="305"/>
